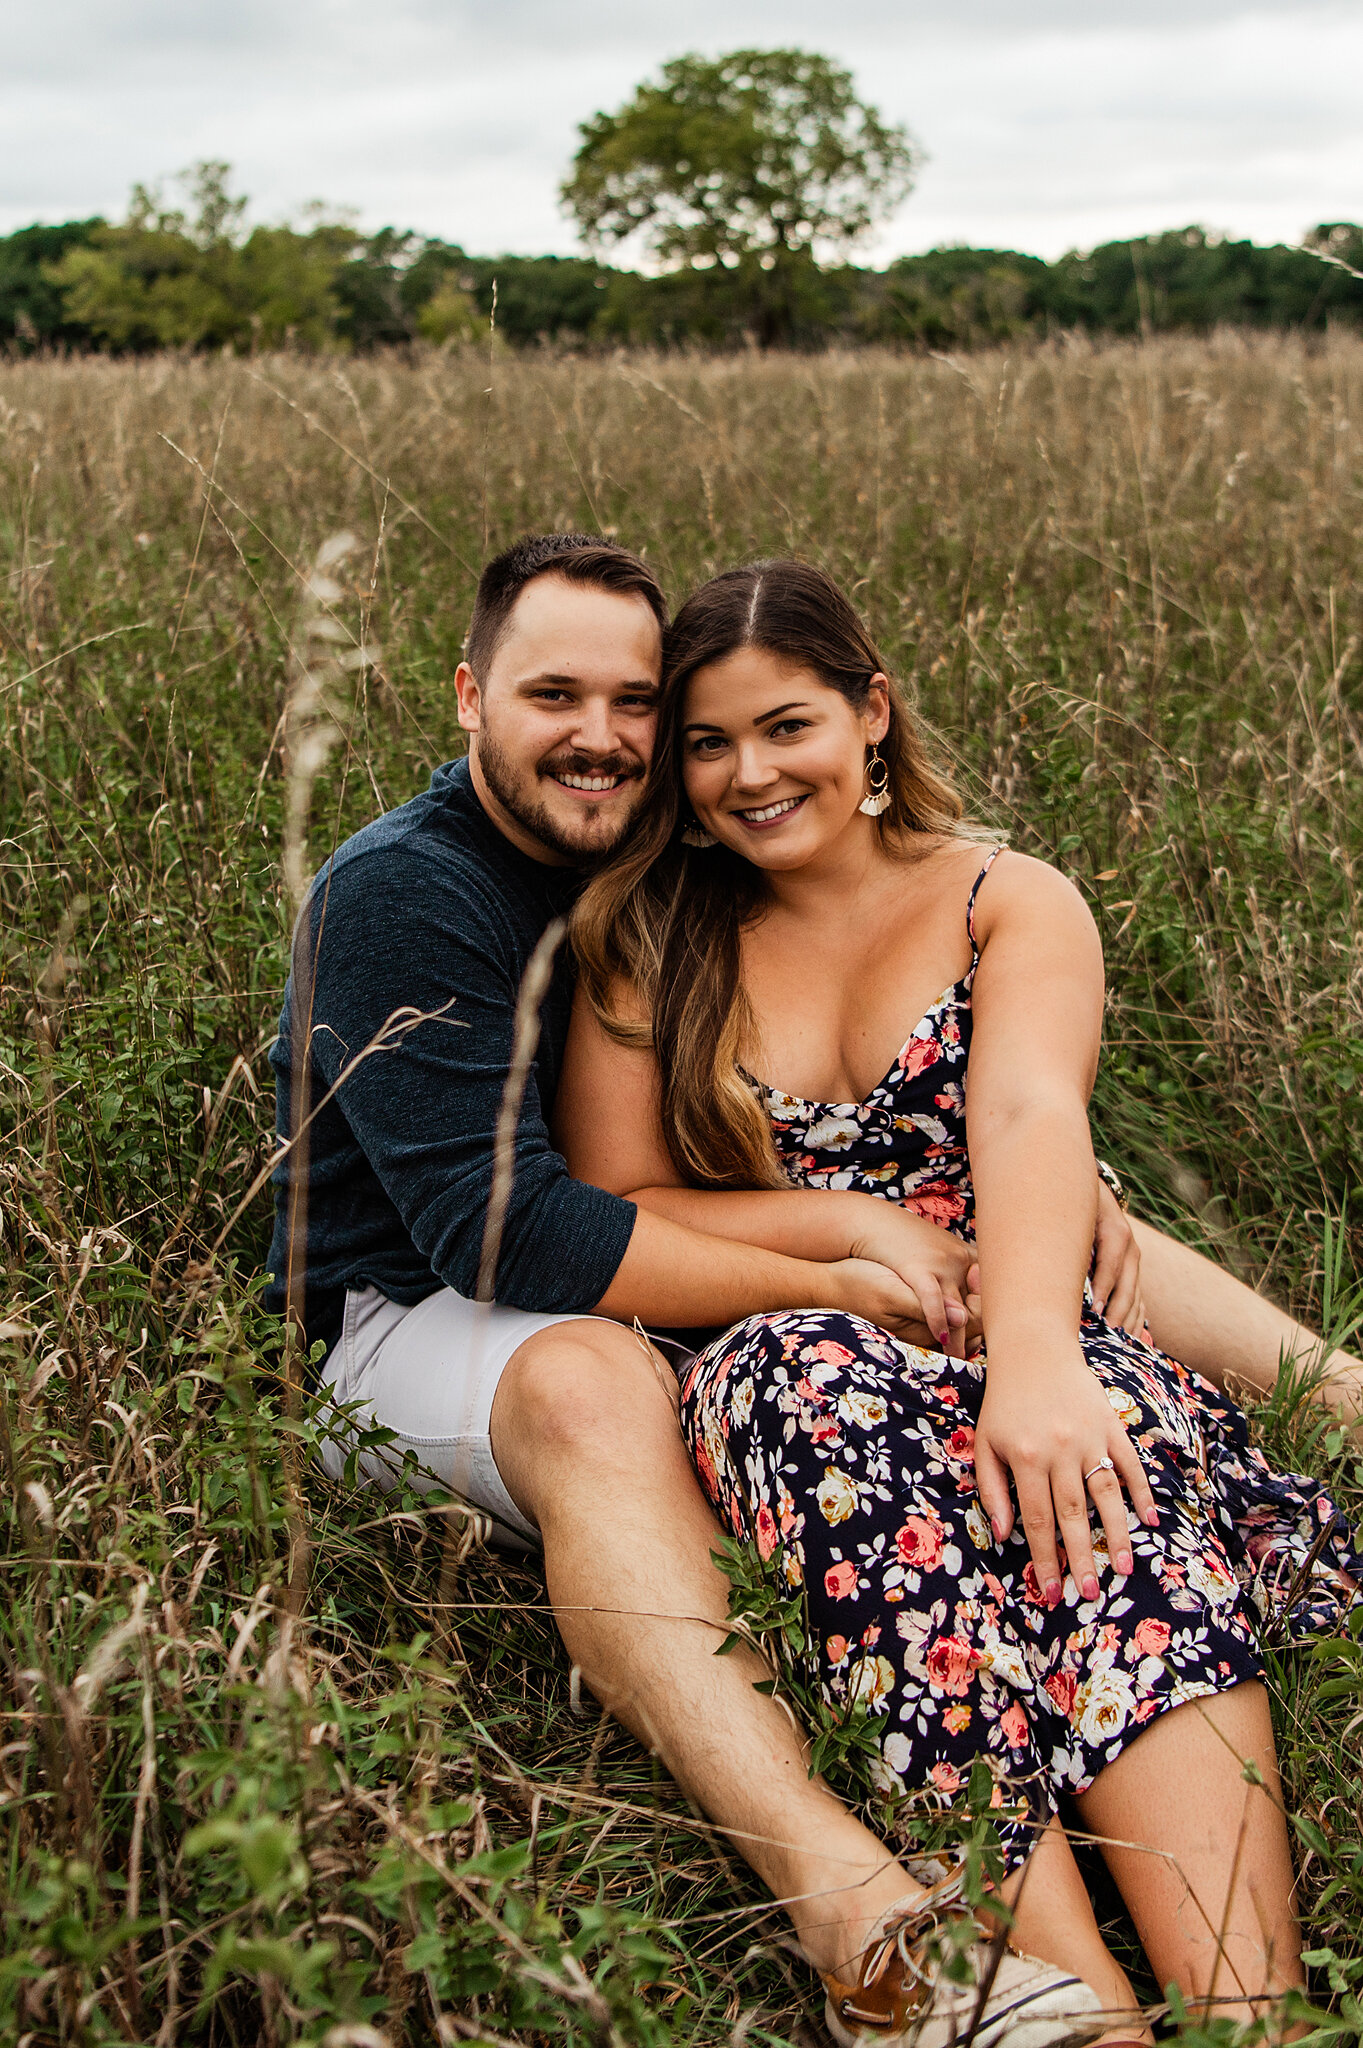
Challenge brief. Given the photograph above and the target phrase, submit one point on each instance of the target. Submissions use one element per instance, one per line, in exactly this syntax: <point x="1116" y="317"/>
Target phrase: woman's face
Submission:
<point x="774" y="760"/>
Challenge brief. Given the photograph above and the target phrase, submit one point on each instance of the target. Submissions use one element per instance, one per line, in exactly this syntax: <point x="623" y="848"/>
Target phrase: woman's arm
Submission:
<point x="607" y="1126"/>
<point x="1037" y="1017"/>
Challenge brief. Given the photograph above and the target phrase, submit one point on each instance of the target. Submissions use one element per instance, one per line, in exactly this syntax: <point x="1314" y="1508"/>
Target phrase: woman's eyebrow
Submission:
<point x="762" y="718"/>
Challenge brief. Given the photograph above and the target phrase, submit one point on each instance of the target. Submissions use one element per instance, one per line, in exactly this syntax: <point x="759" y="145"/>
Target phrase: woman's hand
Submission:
<point x="1046" y="1420"/>
<point x="930" y="1261"/>
<point x="1116" y="1276"/>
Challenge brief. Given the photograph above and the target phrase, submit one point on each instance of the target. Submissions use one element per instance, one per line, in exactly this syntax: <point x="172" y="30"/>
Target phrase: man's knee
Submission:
<point x="584" y="1393"/>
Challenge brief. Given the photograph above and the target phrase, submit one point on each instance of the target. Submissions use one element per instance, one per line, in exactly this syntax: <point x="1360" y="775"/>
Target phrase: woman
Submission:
<point x="1051" y="1559"/>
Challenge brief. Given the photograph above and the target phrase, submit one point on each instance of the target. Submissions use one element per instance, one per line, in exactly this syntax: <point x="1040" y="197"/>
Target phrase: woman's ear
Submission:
<point x="877" y="712"/>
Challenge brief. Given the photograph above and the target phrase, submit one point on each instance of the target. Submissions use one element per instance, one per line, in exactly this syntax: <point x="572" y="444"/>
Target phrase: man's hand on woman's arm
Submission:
<point x="675" y="1277"/>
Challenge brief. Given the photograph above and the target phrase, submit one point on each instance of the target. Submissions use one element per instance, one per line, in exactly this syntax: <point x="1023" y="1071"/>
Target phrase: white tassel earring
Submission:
<point x="877" y="798"/>
<point x="694" y="835"/>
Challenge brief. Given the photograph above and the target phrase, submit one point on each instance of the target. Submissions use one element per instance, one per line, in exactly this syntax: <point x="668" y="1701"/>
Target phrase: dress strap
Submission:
<point x="970" y="906"/>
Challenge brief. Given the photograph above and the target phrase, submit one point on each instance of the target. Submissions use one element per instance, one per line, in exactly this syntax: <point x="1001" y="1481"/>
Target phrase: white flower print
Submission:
<point x="865" y="1411"/>
<point x="837" y="1495"/>
<point x="1103" y="1705"/>
<point x="832" y="1134"/>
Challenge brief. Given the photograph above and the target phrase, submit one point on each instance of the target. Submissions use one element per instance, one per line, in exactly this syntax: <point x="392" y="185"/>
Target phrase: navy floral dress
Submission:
<point x="845" y="1458"/>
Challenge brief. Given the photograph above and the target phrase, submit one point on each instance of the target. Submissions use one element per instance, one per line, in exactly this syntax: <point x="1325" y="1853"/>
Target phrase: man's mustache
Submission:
<point x="589" y="764"/>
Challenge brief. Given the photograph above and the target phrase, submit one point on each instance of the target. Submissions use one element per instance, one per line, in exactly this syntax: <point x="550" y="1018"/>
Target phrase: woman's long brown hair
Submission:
<point x="665" y="919"/>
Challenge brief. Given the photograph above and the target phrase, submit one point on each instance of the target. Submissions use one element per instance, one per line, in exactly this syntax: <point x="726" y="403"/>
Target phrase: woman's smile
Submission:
<point x="764" y="816"/>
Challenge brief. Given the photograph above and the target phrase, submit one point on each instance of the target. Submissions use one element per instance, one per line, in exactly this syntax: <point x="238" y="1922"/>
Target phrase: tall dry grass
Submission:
<point x="1124" y="585"/>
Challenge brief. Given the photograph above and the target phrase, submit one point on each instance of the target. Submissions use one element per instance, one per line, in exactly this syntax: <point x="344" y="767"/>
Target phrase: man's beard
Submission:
<point x="531" y="812"/>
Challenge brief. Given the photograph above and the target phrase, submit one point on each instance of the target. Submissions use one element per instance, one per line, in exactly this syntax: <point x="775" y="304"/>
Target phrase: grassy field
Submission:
<point x="282" y="1764"/>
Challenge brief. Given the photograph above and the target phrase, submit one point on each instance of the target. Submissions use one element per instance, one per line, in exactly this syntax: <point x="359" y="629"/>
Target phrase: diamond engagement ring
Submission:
<point x="1103" y="1465"/>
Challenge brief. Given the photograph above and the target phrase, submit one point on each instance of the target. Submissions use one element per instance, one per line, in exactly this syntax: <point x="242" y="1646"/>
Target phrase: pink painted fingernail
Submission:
<point x="1090" y="1587"/>
<point x="1125" y="1564"/>
<point x="944" y="1336"/>
<point x="1053" y="1592"/>
<point x="997" y="1527"/>
<point x="1152" y="1518"/>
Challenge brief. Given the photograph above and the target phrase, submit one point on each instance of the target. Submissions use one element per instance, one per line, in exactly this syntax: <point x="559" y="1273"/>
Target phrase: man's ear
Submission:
<point x="470" y="698"/>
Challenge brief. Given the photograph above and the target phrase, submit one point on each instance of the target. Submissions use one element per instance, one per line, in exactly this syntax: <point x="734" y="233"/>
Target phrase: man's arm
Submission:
<point x="398" y="929"/>
<point x="391" y="931"/>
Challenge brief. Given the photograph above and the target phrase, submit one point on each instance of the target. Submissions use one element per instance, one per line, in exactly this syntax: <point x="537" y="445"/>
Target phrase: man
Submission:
<point x="545" y="1410"/>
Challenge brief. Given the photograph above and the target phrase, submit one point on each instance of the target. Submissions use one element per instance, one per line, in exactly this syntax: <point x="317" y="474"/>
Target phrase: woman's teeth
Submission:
<point x="770" y="811"/>
<point x="590" y="781"/>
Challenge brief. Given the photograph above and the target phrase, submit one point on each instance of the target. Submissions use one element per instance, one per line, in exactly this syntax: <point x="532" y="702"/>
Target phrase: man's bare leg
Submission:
<point x="587" y="1444"/>
<point x="1202" y="1315"/>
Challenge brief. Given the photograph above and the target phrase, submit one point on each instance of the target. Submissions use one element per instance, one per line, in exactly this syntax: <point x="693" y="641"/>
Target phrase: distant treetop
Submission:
<point x="760" y="153"/>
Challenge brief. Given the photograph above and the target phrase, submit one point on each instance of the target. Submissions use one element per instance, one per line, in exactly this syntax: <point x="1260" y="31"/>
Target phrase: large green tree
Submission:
<point x="757" y="161"/>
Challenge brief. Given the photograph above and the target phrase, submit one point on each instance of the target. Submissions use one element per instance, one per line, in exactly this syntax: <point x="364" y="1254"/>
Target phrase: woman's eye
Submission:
<point x="709" y="743"/>
<point x="789" y="725"/>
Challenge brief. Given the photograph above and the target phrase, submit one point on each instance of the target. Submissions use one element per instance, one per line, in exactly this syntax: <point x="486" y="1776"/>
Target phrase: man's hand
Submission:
<point x="1116" y="1276"/>
<point x="932" y="1263"/>
<point x="864" y="1287"/>
<point x="1046" y="1420"/>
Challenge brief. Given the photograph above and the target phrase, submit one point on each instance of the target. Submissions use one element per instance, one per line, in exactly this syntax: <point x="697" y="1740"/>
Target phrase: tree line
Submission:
<point x="749" y="179"/>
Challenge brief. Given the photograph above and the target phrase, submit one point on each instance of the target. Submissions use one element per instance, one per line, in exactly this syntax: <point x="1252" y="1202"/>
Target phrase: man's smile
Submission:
<point x="589" y="785"/>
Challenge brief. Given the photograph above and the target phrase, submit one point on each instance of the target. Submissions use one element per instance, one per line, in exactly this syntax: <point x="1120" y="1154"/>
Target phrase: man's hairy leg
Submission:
<point x="586" y="1440"/>
<point x="1202" y="1315"/>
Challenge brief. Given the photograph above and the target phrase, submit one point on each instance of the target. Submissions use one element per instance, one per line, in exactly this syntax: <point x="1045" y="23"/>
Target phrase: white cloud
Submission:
<point x="1048" y="123"/>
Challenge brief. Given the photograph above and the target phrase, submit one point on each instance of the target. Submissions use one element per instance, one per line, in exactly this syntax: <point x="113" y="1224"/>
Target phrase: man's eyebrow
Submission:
<point x="558" y="682"/>
<point x="762" y="718"/>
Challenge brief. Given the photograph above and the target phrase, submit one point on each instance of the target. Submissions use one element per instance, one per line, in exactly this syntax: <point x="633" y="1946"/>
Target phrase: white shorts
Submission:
<point x="430" y="1374"/>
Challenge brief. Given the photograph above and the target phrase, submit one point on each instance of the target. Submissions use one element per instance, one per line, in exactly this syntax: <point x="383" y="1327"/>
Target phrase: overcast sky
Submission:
<point x="1049" y="124"/>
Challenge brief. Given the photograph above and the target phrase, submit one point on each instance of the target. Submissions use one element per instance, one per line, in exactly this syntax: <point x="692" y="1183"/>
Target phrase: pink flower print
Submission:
<point x="938" y="1203"/>
<point x="705" y="1469"/>
<point x="827" y="1430"/>
<point x="948" y="1396"/>
<point x="918" y="1055"/>
<point x="837" y="1648"/>
<point x="1152" y="1637"/>
<point x="1031" y="1585"/>
<point x="1109" y="1642"/>
<point x="870" y="1636"/>
<point x="956" y="1720"/>
<point x="919" y="1543"/>
<point x="829" y="1353"/>
<point x="766" y="1532"/>
<point x="995" y="1587"/>
<point x="951" y="1031"/>
<point x="1146" y="1711"/>
<point x="1062" y="1687"/>
<point x="951" y="1665"/>
<point x="946" y="1778"/>
<point x="1014" y="1726"/>
<point x="961" y="1445"/>
<point x="840" y="1580"/>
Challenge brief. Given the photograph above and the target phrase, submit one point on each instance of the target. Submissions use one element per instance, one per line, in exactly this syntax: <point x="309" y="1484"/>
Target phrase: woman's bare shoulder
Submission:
<point x="623" y="1005"/>
<point x="1018" y="884"/>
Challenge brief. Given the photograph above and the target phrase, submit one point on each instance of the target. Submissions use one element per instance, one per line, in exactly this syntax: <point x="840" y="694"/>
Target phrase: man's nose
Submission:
<point x="595" y="729"/>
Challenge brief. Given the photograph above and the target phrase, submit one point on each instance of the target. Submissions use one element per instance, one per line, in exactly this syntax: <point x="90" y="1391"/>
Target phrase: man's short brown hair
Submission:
<point x="577" y="557"/>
